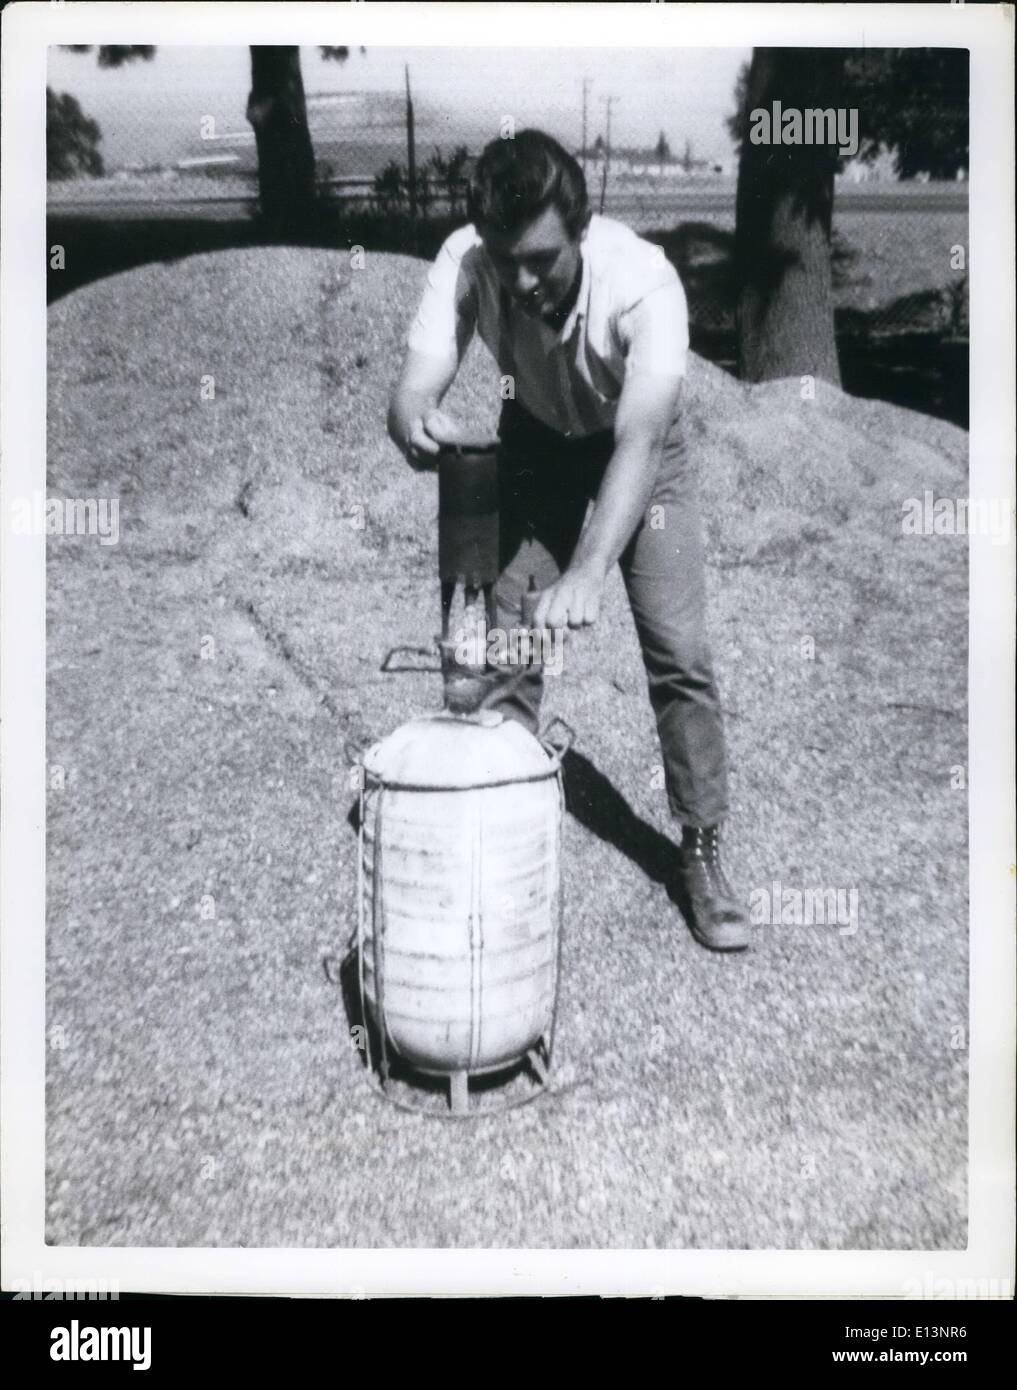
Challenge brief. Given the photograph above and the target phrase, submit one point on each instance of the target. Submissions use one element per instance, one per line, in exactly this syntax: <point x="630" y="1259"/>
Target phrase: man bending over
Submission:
<point x="590" y="323"/>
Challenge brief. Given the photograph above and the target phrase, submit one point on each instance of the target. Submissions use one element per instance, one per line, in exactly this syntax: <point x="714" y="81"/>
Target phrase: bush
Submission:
<point x="72" y="140"/>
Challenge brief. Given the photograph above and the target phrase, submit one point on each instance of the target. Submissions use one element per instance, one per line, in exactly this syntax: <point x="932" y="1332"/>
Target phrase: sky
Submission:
<point x="150" y="112"/>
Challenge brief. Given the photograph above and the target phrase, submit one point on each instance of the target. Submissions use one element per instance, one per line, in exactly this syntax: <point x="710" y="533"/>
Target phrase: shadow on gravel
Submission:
<point x="598" y="806"/>
<point x="97" y="246"/>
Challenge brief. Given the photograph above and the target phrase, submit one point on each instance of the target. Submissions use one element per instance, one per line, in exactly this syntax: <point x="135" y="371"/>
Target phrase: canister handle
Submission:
<point x="357" y="747"/>
<point x="558" y="748"/>
<point x="402" y="653"/>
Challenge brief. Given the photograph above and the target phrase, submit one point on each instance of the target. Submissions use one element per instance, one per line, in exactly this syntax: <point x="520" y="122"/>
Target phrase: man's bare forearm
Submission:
<point x="621" y="503"/>
<point x="421" y="388"/>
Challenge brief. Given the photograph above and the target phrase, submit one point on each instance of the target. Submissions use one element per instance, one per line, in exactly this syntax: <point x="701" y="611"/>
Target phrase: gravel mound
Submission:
<point x="207" y="673"/>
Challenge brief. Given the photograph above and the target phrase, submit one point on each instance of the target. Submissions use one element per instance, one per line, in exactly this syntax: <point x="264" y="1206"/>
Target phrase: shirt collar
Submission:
<point x="578" y="309"/>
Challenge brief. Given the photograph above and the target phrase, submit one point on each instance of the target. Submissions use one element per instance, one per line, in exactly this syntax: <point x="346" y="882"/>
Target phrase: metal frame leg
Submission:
<point x="459" y="1092"/>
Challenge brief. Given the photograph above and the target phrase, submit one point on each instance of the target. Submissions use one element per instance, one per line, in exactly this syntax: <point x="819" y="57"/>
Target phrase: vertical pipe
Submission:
<point x="448" y="589"/>
<point x="364" y="1018"/>
<point x="609" y="102"/>
<point x="378" y="932"/>
<point x="411" y="158"/>
<point x="586" y="82"/>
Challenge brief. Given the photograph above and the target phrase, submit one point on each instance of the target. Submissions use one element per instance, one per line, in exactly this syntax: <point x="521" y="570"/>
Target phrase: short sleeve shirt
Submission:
<point x="630" y="318"/>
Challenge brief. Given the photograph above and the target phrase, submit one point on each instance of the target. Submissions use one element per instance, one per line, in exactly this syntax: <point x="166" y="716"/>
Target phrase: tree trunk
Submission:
<point x="783" y="212"/>
<point x="278" y="112"/>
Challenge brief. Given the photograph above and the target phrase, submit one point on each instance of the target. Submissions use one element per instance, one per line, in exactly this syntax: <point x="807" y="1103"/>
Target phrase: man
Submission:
<point x="589" y="325"/>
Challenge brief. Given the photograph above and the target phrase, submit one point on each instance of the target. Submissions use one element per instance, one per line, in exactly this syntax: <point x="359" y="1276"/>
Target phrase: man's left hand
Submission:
<point x="573" y="601"/>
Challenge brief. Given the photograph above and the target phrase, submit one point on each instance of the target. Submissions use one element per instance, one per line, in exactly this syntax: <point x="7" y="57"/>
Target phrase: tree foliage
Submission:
<point x="911" y="100"/>
<point x="915" y="100"/>
<point x="276" y="108"/>
<point x="72" y="140"/>
<point x="390" y="187"/>
<point x="115" y="55"/>
<point x="449" y="174"/>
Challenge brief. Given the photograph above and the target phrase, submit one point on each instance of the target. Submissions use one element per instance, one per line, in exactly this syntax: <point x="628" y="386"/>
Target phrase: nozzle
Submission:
<point x="529" y="604"/>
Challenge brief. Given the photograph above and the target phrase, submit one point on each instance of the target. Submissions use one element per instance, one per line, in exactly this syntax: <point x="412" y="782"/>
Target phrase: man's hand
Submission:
<point x="574" y="601"/>
<point x="415" y="424"/>
<point x="425" y="434"/>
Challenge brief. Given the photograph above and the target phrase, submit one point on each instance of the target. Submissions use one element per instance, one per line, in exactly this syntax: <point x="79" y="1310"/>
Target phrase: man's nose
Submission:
<point x="526" y="282"/>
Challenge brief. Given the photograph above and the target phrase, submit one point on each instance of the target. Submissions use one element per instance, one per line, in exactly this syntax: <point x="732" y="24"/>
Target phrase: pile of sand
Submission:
<point x="303" y="349"/>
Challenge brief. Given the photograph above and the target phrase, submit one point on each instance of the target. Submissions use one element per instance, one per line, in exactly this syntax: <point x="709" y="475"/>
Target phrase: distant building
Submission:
<point x="880" y="168"/>
<point x="644" y="164"/>
<point x="206" y="161"/>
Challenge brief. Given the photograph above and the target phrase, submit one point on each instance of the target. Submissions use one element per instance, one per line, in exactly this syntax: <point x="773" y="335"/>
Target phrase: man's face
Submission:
<point x="538" y="264"/>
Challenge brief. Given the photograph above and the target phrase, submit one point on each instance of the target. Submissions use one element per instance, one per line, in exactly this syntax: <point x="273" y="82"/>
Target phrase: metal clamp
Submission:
<point x="355" y="748"/>
<point x="389" y="669"/>
<point x="558" y="748"/>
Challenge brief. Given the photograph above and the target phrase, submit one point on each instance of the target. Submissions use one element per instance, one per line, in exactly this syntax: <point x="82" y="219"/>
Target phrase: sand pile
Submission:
<point x="307" y="347"/>
<point x="206" y="672"/>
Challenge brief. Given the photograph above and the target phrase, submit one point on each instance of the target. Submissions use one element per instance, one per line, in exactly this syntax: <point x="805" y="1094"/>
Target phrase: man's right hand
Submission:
<point x="425" y="436"/>
<point x="415" y="424"/>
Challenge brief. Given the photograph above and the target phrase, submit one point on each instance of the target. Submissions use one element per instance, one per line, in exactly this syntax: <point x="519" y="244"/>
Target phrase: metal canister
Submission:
<point x="468" y="556"/>
<point x="468" y="515"/>
<point x="460" y="897"/>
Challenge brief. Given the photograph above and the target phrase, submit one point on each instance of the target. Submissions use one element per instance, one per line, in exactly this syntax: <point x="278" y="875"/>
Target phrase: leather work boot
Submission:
<point x="715" y="916"/>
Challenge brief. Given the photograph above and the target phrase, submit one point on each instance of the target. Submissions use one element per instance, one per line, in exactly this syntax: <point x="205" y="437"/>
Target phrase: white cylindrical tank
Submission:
<point x="460" y="894"/>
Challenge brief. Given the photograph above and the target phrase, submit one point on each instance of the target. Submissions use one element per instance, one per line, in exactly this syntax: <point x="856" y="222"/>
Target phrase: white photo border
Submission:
<point x="28" y="29"/>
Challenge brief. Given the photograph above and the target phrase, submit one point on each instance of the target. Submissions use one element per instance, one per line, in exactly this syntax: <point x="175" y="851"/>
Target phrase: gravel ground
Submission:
<point x="202" y="1089"/>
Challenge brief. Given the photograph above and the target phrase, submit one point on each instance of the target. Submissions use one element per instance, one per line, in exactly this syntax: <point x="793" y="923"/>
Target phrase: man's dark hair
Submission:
<point x="516" y="180"/>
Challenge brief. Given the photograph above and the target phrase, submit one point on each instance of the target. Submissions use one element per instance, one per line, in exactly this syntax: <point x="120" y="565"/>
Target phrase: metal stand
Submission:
<point x="539" y="1058"/>
<point x="458" y="1093"/>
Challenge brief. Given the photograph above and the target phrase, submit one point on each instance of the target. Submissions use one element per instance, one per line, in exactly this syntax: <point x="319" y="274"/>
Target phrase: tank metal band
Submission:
<point x="376" y="780"/>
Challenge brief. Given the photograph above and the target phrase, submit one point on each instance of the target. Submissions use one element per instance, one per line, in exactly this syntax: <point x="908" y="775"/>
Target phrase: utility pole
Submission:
<point x="608" y="102"/>
<point x="585" y="86"/>
<point x="411" y="158"/>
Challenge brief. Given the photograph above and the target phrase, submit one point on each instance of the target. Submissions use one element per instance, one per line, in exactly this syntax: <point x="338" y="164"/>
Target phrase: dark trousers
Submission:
<point x="546" y="482"/>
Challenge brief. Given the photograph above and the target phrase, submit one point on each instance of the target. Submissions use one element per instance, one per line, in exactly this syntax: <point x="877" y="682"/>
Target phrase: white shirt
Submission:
<point x="630" y="318"/>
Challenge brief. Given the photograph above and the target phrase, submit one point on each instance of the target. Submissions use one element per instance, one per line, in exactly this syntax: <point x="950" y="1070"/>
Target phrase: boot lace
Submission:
<point x="702" y="844"/>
